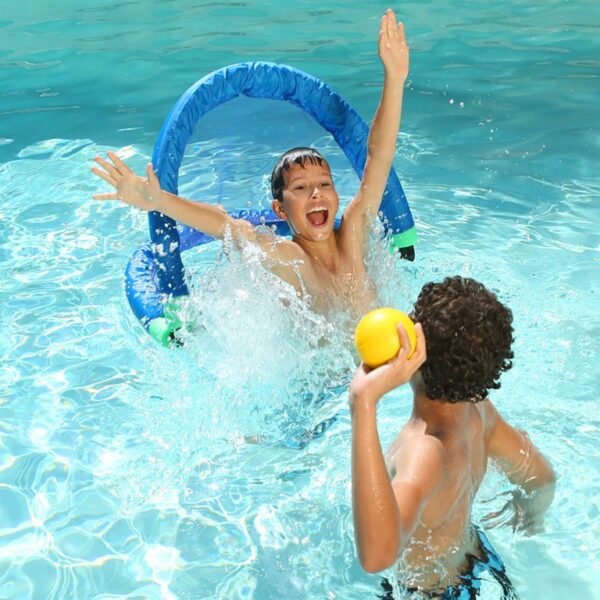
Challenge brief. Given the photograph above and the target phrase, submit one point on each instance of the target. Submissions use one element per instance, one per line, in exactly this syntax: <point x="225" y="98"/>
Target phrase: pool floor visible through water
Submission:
<point x="127" y="470"/>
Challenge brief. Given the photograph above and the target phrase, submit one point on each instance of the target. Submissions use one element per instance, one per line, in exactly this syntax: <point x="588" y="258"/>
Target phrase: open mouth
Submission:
<point x="317" y="216"/>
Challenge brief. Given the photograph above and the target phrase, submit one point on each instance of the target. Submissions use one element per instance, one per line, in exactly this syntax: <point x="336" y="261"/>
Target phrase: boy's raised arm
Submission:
<point x="386" y="513"/>
<point x="146" y="194"/>
<point x="394" y="54"/>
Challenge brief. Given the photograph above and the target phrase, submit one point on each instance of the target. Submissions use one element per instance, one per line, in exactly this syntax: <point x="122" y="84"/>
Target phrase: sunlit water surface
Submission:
<point x="221" y="469"/>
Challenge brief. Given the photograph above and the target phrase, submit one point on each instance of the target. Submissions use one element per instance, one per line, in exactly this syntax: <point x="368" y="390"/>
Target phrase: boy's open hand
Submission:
<point x="131" y="189"/>
<point x="369" y="385"/>
<point x="393" y="49"/>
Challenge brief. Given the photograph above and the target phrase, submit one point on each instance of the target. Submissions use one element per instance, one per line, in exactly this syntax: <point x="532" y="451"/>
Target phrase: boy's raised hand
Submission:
<point x="393" y="49"/>
<point x="369" y="385"/>
<point x="137" y="191"/>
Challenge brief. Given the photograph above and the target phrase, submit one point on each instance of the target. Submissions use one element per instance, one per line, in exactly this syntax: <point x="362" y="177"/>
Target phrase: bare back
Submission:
<point x="443" y="534"/>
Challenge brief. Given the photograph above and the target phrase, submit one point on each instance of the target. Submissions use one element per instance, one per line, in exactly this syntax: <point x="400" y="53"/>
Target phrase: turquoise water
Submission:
<point x="128" y="471"/>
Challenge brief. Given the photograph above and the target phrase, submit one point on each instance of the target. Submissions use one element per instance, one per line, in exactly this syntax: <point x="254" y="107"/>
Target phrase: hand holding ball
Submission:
<point x="376" y="336"/>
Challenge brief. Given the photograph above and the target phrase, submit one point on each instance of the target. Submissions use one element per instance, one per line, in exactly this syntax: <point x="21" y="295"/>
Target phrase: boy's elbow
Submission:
<point x="551" y="476"/>
<point x="376" y="564"/>
<point x="542" y="481"/>
<point x="378" y="560"/>
<point x="547" y="476"/>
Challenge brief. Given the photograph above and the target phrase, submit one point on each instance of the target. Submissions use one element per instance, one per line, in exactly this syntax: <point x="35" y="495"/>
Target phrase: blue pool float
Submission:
<point x="155" y="275"/>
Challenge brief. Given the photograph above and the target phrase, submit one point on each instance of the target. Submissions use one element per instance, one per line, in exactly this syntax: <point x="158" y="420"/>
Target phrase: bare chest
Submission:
<point x="347" y="287"/>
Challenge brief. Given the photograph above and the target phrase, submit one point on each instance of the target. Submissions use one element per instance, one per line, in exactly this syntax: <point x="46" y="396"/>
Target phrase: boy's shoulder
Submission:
<point x="426" y="445"/>
<point x="274" y="245"/>
<point x="489" y="414"/>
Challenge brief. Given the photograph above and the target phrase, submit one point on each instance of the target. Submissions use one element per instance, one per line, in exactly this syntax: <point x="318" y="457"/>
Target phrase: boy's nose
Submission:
<point x="316" y="192"/>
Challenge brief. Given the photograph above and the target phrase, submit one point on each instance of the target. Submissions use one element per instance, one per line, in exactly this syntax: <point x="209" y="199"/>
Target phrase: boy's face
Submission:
<point x="310" y="201"/>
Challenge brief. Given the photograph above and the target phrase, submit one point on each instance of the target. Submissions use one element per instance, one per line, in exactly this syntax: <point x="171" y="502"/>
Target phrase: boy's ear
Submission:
<point x="278" y="209"/>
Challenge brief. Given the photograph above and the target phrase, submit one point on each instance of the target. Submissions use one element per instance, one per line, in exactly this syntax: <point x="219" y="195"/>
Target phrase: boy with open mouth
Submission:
<point x="325" y="265"/>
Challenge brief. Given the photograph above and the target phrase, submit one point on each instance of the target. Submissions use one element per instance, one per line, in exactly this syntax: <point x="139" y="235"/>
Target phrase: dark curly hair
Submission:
<point x="295" y="156"/>
<point x="469" y="335"/>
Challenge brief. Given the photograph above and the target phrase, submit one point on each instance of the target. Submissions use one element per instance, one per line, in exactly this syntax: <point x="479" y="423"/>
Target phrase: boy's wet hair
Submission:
<point x="469" y="338"/>
<point x="295" y="156"/>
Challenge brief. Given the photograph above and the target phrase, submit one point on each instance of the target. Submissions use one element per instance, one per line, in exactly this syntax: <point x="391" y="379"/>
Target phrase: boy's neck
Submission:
<point x="431" y="409"/>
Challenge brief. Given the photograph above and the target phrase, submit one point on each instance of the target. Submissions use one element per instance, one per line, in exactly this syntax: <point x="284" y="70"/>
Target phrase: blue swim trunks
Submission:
<point x="470" y="581"/>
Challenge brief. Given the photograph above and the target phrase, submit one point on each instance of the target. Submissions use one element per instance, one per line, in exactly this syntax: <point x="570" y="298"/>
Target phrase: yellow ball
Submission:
<point x="376" y="336"/>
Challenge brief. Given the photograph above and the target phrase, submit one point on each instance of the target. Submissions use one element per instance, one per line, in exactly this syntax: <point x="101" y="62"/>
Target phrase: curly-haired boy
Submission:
<point x="415" y="502"/>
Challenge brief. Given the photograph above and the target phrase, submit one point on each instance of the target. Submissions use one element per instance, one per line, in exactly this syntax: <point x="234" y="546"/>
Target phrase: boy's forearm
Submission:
<point x="381" y="147"/>
<point x="530" y="508"/>
<point x="207" y="218"/>
<point x="540" y="487"/>
<point x="376" y="518"/>
<point x="386" y="123"/>
<point x="540" y="499"/>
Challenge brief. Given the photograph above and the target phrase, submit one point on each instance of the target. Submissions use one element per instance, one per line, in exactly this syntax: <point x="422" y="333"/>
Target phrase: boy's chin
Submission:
<point x="315" y="235"/>
<point x="323" y="235"/>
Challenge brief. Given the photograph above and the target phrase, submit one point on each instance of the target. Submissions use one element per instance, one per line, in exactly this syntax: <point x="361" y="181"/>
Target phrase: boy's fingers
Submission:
<point x="400" y="31"/>
<point x="105" y="196"/>
<point x="391" y="20"/>
<point x="386" y="24"/>
<point x="420" y="351"/>
<point x="152" y="178"/>
<point x="403" y="351"/>
<point x="421" y="343"/>
<point x="119" y="163"/>
<point x="106" y="166"/>
<point x="404" y="341"/>
<point x="104" y="176"/>
<point x="402" y="355"/>
<point x="365" y="368"/>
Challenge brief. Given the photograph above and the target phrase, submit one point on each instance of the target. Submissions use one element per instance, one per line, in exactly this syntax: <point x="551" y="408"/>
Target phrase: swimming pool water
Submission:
<point x="131" y="471"/>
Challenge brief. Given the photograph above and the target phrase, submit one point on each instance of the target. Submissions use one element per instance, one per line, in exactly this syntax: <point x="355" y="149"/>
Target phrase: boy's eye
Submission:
<point x="325" y="184"/>
<point x="300" y="187"/>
